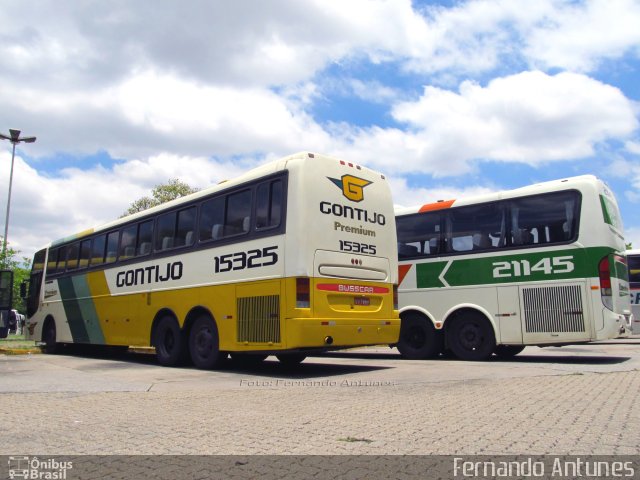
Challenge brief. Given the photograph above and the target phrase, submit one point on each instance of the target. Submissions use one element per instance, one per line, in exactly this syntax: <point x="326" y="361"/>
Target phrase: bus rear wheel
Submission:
<point x="508" y="351"/>
<point x="418" y="338"/>
<point x="204" y="345"/>
<point x="471" y="337"/>
<point x="170" y="343"/>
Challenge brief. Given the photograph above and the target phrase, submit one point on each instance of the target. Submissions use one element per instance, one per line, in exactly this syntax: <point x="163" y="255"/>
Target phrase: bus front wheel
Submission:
<point x="418" y="338"/>
<point x="471" y="337"/>
<point x="49" y="337"/>
<point x="203" y="343"/>
<point x="169" y="342"/>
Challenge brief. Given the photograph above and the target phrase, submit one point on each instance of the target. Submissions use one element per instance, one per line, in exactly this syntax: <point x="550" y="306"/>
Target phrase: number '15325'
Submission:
<point x="252" y="259"/>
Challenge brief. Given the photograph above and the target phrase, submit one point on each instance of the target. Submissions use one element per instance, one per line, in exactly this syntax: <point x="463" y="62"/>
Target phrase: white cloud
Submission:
<point x="235" y="80"/>
<point x="150" y="113"/>
<point x="479" y="36"/>
<point x="632" y="147"/>
<point x="577" y="36"/>
<point x="47" y="208"/>
<point x="406" y="196"/>
<point x="630" y="171"/>
<point x="530" y="118"/>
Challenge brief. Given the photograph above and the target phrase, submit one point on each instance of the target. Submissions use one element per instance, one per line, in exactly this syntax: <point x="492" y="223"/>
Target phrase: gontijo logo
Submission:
<point x="352" y="187"/>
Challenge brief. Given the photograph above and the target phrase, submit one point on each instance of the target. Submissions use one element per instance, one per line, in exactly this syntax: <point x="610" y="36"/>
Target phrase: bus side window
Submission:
<point x="112" y="247"/>
<point x="52" y="262"/>
<point x="127" y="248"/>
<point x="97" y="250"/>
<point x="406" y="250"/>
<point x="185" y="227"/>
<point x="238" y="213"/>
<point x="418" y="235"/>
<point x="85" y="253"/>
<point x="62" y="260"/>
<point x="72" y="256"/>
<point x="469" y="228"/>
<point x="211" y="219"/>
<point x="166" y="230"/>
<point x="145" y="238"/>
<point x="634" y="270"/>
<point x="543" y="219"/>
<point x="38" y="261"/>
<point x="268" y="204"/>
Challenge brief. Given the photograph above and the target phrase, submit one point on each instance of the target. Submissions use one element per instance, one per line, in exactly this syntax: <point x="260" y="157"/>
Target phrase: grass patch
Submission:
<point x="353" y="439"/>
<point x="17" y="342"/>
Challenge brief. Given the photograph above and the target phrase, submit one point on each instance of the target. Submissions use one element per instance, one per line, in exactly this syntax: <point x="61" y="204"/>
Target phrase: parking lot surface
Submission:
<point x="575" y="400"/>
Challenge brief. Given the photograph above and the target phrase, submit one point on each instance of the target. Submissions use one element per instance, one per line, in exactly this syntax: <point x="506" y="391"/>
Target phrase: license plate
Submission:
<point x="363" y="301"/>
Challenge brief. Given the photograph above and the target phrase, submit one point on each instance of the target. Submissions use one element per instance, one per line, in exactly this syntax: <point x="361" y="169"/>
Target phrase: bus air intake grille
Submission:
<point x="553" y="309"/>
<point x="259" y="319"/>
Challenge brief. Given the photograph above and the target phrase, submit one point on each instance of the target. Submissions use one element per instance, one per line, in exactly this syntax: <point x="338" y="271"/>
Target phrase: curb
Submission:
<point x="38" y="350"/>
<point x="20" y="351"/>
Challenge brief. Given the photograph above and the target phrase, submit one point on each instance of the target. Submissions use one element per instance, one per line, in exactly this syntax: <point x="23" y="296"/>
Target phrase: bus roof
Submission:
<point x="549" y="186"/>
<point x="255" y="173"/>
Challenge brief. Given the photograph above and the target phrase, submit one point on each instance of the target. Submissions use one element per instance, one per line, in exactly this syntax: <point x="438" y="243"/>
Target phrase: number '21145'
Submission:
<point x="523" y="268"/>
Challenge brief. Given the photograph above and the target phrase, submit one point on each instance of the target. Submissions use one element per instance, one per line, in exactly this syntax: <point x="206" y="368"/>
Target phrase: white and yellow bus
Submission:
<point x="298" y="255"/>
<point x="539" y="265"/>
<point x="633" y="262"/>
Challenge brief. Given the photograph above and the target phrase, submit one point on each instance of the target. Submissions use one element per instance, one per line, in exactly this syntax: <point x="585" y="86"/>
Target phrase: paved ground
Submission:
<point x="571" y="400"/>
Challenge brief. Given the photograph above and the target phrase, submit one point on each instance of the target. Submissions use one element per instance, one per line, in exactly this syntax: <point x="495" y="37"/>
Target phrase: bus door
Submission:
<point x="619" y="286"/>
<point x="634" y="285"/>
<point x="509" y="320"/>
<point x="6" y="297"/>
<point x="35" y="283"/>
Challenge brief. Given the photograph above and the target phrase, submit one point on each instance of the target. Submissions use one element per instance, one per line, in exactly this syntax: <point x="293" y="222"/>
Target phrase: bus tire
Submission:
<point x="204" y="345"/>
<point x="470" y="337"/>
<point x="291" y="359"/>
<point x="248" y="359"/>
<point x="508" y="351"/>
<point x="418" y="338"/>
<point x="171" y="347"/>
<point x="49" y="337"/>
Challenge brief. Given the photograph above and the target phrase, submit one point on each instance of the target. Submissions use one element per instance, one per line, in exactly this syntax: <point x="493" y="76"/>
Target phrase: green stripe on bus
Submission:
<point x="523" y="267"/>
<point x="80" y="310"/>
<point x="88" y="309"/>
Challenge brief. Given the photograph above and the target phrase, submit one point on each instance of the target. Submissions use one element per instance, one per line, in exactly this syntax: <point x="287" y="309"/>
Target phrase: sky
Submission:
<point x="448" y="98"/>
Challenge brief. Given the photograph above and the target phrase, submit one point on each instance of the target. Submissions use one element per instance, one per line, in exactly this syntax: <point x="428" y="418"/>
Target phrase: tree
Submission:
<point x="160" y="194"/>
<point x="21" y="271"/>
<point x="629" y="246"/>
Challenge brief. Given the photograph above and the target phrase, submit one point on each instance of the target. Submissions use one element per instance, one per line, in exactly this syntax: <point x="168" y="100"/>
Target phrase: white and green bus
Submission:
<point x="633" y="262"/>
<point x="539" y="265"/>
<point x="296" y="256"/>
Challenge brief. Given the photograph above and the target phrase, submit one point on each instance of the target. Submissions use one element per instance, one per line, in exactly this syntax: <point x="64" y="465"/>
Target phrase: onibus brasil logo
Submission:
<point x="352" y="187"/>
<point x="33" y="468"/>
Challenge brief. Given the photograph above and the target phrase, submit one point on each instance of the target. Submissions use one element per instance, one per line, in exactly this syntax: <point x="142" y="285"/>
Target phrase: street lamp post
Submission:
<point x="15" y="138"/>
